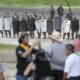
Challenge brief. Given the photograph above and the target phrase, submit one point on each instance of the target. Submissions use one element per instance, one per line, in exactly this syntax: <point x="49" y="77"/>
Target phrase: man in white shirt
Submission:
<point x="72" y="64"/>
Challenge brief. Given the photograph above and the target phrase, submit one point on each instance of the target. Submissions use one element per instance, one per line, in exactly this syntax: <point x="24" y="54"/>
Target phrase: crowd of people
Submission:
<point x="41" y="24"/>
<point x="57" y="61"/>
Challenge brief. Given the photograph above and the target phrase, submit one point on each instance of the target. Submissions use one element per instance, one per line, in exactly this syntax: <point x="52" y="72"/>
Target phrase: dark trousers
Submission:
<point x="57" y="74"/>
<point x="8" y="32"/>
<point x="1" y="32"/>
<point x="16" y="34"/>
<point x="59" y="30"/>
<point x="39" y="34"/>
<point x="32" y="34"/>
<point x="21" y="77"/>
<point x="74" y="78"/>
<point x="76" y="33"/>
<point x="49" y="33"/>
<point x="64" y="34"/>
<point x="44" y="33"/>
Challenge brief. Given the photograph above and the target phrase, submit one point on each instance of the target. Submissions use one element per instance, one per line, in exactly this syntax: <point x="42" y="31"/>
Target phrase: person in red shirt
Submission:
<point x="77" y="43"/>
<point x="1" y="73"/>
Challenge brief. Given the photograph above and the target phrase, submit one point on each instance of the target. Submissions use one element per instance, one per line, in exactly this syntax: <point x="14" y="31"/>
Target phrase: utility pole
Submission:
<point x="69" y="7"/>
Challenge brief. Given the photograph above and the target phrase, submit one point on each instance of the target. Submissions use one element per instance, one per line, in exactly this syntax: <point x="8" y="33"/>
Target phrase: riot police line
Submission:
<point x="14" y="25"/>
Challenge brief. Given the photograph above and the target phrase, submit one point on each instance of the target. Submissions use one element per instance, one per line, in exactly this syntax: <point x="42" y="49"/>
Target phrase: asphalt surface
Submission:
<point x="37" y="10"/>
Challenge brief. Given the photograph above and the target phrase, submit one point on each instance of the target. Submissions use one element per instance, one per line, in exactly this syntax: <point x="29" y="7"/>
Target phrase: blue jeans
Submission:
<point x="21" y="77"/>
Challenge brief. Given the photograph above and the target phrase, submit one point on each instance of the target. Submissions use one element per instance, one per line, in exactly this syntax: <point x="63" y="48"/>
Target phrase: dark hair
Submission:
<point x="70" y="47"/>
<point x="22" y="36"/>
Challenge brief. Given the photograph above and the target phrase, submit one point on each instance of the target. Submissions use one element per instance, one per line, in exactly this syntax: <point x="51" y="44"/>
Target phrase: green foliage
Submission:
<point x="7" y="47"/>
<point x="39" y="2"/>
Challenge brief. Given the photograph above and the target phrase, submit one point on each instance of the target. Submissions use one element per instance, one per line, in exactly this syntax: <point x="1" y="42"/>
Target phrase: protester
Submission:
<point x="16" y="26"/>
<point x="43" y="69"/>
<point x="1" y="73"/>
<point x="77" y="43"/>
<point x="55" y="53"/>
<point x="72" y="64"/>
<point x="24" y="56"/>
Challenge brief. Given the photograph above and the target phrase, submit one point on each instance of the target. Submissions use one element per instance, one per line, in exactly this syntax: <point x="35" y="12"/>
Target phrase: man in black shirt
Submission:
<point x="24" y="56"/>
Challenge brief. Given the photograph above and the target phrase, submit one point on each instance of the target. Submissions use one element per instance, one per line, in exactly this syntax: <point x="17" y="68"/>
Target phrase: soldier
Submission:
<point x="16" y="26"/>
<point x="66" y="27"/>
<point x="44" y="25"/>
<point x="50" y="26"/>
<point x="74" y="27"/>
<point x="31" y="25"/>
<point x="26" y="15"/>
<point x="41" y="26"/>
<point x="35" y="15"/>
<point x="69" y="16"/>
<point x="1" y="26"/>
<point x="52" y="12"/>
<point x="57" y="23"/>
<point x="38" y="26"/>
<point x="23" y="24"/>
<point x="60" y="11"/>
<point x="8" y="24"/>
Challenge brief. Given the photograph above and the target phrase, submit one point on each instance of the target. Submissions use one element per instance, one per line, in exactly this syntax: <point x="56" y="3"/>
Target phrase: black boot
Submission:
<point x="39" y="35"/>
<point x="44" y="33"/>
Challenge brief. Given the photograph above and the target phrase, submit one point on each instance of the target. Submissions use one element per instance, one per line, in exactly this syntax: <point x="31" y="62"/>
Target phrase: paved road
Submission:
<point x="37" y="10"/>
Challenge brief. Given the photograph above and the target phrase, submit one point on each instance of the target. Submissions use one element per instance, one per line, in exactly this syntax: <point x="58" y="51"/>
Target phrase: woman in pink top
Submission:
<point x="77" y="43"/>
